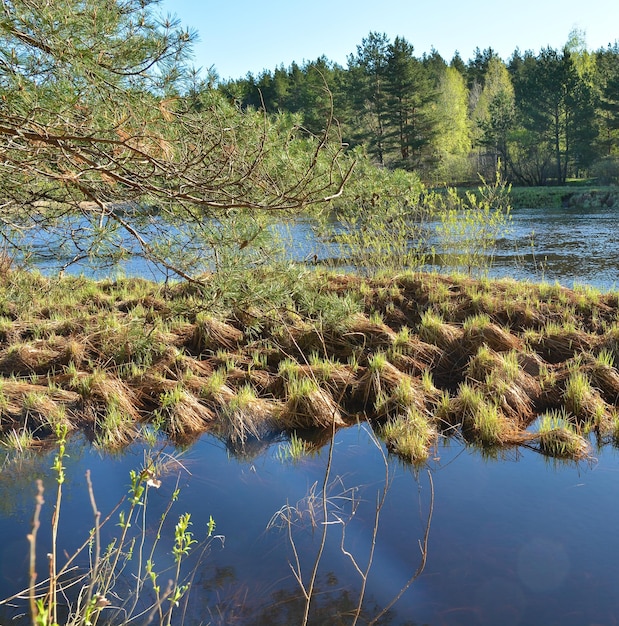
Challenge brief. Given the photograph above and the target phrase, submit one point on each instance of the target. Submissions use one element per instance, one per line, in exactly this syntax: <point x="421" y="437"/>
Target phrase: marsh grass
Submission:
<point x="479" y="330"/>
<point x="18" y="440"/>
<point x="582" y="400"/>
<point x="181" y="414"/>
<point x="246" y="415"/>
<point x="308" y="405"/>
<point x="478" y="416"/>
<point x="211" y="334"/>
<point x="410" y="435"/>
<point x="557" y="437"/>
<point x="112" y="357"/>
<point x="380" y="380"/>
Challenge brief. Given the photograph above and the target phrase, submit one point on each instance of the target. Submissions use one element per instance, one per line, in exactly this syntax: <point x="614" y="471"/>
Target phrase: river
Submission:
<point x="517" y="539"/>
<point x="552" y="244"/>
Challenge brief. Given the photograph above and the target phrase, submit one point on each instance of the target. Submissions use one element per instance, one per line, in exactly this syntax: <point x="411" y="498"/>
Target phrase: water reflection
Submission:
<point x="514" y="541"/>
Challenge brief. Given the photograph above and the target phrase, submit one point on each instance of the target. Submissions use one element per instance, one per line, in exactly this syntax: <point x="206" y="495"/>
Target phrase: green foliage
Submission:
<point x="453" y="142"/>
<point x="606" y="170"/>
<point x="470" y="226"/>
<point x="546" y="116"/>
<point x="132" y="548"/>
<point x="100" y="111"/>
<point x="381" y="222"/>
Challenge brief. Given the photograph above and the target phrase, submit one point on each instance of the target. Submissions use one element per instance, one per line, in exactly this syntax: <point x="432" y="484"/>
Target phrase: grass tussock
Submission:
<point x="557" y="437"/>
<point x="410" y="436"/>
<point x="413" y="351"/>
<point x="182" y="415"/>
<point x="246" y="415"/>
<point x="211" y="334"/>
<point x="308" y="406"/>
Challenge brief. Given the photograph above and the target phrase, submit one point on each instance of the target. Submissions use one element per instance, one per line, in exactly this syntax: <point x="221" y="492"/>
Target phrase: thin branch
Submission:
<point x="423" y="547"/>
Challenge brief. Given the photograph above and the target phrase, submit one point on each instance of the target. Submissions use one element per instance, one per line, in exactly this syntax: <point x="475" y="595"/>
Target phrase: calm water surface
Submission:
<point x="516" y="540"/>
<point x="565" y="245"/>
<point x="519" y="540"/>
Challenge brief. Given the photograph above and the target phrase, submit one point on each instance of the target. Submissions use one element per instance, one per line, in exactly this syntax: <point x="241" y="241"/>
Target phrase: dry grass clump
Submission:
<point x="309" y="339"/>
<point x="30" y="413"/>
<point x="308" y="406"/>
<point x="213" y="388"/>
<point x="371" y="334"/>
<point x="336" y="377"/>
<point x="211" y="334"/>
<point x="433" y="330"/>
<point x="479" y="330"/>
<point x="175" y="364"/>
<point x="22" y="359"/>
<point x="148" y="387"/>
<point x="560" y="343"/>
<point x="412" y="355"/>
<point x="99" y="388"/>
<point x="73" y="351"/>
<point x="261" y="379"/>
<point x="410" y="393"/>
<point x="181" y="414"/>
<point x="110" y="407"/>
<point x="609" y="343"/>
<point x="603" y="375"/>
<point x="10" y="330"/>
<point x="380" y="379"/>
<point x="582" y="401"/>
<point x="246" y="415"/>
<point x="520" y="315"/>
<point x="16" y="399"/>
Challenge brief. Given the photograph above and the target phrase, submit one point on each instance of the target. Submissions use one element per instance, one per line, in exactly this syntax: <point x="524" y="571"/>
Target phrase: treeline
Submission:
<point x="541" y="118"/>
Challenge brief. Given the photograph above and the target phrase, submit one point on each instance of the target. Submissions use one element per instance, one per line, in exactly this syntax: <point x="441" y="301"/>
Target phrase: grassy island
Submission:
<point x="420" y="356"/>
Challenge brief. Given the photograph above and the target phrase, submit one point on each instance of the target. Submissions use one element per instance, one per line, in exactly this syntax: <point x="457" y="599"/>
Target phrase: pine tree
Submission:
<point x="412" y="124"/>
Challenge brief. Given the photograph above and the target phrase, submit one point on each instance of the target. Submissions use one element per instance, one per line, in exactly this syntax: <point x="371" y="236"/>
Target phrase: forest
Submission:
<point x="541" y="118"/>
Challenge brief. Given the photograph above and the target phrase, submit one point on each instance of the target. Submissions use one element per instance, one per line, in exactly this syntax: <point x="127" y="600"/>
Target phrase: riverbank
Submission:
<point x="583" y="197"/>
<point x="498" y="363"/>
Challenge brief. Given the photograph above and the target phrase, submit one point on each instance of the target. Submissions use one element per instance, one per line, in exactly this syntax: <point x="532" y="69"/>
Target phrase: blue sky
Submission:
<point x="243" y="36"/>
